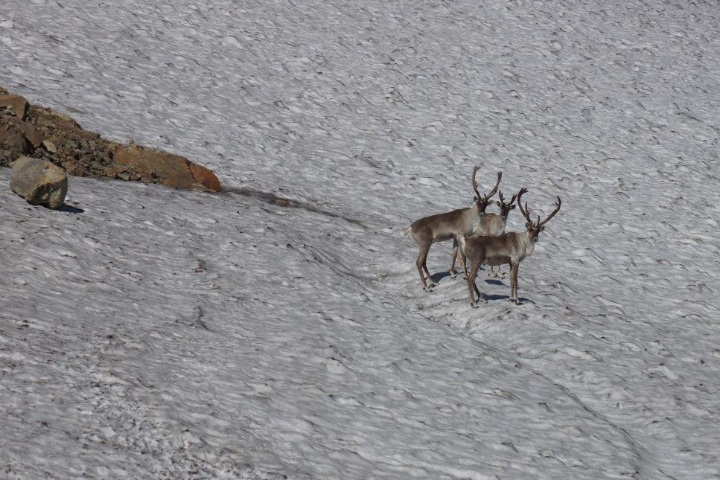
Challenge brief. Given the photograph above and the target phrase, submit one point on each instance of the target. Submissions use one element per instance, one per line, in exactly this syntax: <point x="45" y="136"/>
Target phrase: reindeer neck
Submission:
<point x="525" y="243"/>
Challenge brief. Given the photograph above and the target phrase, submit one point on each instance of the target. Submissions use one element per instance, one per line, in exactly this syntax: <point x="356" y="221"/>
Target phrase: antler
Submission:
<point x="519" y="201"/>
<point x="480" y="198"/>
<point x="502" y="200"/>
<point x="557" y="209"/>
<point x="492" y="192"/>
<point x="474" y="183"/>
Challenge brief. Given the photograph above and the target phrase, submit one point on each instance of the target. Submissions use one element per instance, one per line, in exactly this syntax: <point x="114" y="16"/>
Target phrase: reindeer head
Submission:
<point x="534" y="228"/>
<point x="480" y="200"/>
<point x="505" y="207"/>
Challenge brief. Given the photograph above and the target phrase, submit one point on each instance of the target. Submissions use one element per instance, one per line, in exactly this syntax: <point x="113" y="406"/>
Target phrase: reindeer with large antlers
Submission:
<point x="509" y="248"/>
<point x="490" y="223"/>
<point x="496" y="222"/>
<point x="450" y="225"/>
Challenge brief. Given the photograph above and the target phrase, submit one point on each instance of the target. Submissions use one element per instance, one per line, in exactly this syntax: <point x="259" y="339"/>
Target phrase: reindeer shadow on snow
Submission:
<point x="487" y="297"/>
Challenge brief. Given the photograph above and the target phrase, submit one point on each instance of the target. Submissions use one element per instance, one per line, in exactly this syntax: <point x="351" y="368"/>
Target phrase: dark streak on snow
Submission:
<point x="273" y="199"/>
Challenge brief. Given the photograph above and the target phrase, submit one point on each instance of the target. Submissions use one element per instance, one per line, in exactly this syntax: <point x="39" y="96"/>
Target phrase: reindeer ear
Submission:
<point x="512" y="207"/>
<point x="497" y="202"/>
<point x="542" y="228"/>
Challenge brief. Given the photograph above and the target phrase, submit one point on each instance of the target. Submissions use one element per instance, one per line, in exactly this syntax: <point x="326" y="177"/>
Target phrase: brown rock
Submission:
<point x="39" y="182"/>
<point x="109" y="171"/>
<point x="16" y="104"/>
<point x="64" y="121"/>
<point x="12" y="141"/>
<point x="161" y="167"/>
<point x="205" y="177"/>
<point x="165" y="168"/>
<point x="33" y="135"/>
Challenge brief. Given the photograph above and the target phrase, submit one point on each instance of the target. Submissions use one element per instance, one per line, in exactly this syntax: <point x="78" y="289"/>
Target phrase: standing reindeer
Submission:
<point x="490" y="223"/>
<point x="509" y="248"/>
<point x="444" y="226"/>
<point x="496" y="224"/>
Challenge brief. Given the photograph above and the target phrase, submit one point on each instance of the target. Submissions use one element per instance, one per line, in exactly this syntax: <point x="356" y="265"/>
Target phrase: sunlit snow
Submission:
<point x="148" y="332"/>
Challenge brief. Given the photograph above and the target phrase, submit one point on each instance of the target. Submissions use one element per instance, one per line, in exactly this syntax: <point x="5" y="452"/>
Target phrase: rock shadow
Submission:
<point x="273" y="199"/>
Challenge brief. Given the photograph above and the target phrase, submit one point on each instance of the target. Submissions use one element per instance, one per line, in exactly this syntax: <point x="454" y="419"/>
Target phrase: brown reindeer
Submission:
<point x="497" y="225"/>
<point x="507" y="249"/>
<point x="450" y="225"/>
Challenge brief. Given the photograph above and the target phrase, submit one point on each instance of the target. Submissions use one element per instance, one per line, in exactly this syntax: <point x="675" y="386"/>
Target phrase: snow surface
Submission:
<point x="150" y="333"/>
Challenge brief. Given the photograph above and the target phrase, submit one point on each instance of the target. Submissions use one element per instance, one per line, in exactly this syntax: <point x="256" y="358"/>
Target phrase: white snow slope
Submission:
<point x="155" y="333"/>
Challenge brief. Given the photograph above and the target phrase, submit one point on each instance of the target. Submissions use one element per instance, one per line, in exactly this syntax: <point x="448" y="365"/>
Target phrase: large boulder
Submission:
<point x="15" y="104"/>
<point x="39" y="182"/>
<point x="133" y="162"/>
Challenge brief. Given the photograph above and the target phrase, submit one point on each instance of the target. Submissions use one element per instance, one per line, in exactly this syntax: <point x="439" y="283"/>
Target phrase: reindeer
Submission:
<point x="490" y="224"/>
<point x="496" y="223"/>
<point x="509" y="248"/>
<point x="450" y="225"/>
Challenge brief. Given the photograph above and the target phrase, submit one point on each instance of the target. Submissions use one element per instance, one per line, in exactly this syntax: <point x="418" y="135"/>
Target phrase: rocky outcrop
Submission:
<point x="154" y="166"/>
<point x="39" y="182"/>
<point x="53" y="136"/>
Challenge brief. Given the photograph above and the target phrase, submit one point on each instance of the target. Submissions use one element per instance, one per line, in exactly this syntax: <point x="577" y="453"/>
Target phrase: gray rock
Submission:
<point x="39" y="182"/>
<point x="49" y="146"/>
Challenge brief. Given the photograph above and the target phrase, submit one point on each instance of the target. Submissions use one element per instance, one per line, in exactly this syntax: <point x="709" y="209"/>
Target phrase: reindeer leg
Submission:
<point x="451" y="270"/>
<point x="422" y="265"/>
<point x="480" y="297"/>
<point x="422" y="257"/>
<point x="513" y="282"/>
<point x="472" y="287"/>
<point x="432" y="284"/>
<point x="463" y="264"/>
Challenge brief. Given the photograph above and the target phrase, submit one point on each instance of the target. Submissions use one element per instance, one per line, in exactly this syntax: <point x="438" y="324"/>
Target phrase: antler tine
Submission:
<point x="502" y="199"/>
<point x="492" y="192"/>
<point x="519" y="201"/>
<point x="474" y="183"/>
<point x="512" y="200"/>
<point x="557" y="209"/>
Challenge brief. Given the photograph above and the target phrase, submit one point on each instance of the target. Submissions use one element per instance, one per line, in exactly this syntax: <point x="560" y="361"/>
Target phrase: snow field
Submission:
<point x="170" y="334"/>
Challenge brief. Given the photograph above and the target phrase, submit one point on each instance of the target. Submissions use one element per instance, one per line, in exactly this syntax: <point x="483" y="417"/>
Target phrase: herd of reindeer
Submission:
<point x="480" y="237"/>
